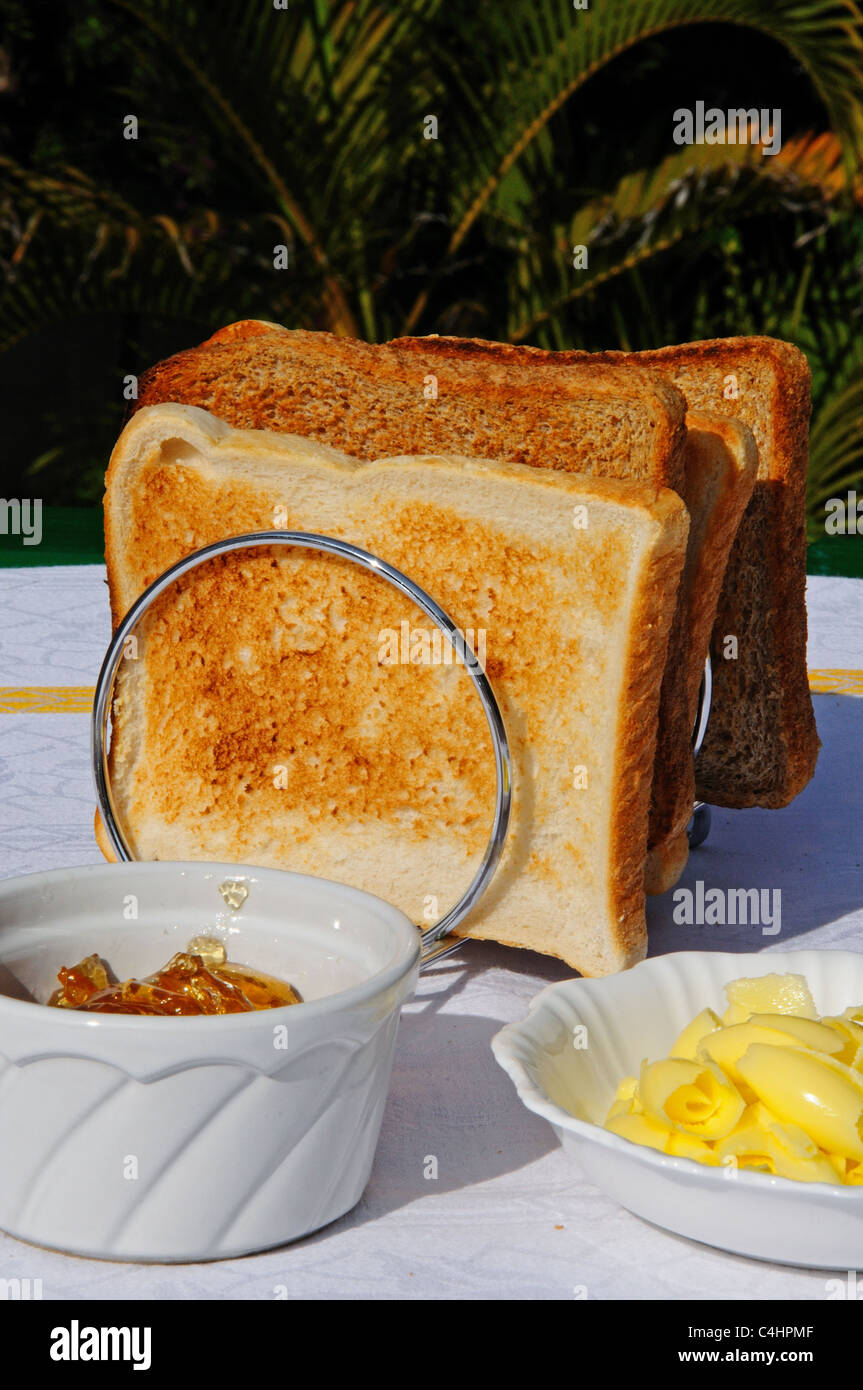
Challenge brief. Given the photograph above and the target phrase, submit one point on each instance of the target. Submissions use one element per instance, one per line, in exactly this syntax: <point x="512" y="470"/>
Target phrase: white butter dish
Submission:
<point x="569" y="1077"/>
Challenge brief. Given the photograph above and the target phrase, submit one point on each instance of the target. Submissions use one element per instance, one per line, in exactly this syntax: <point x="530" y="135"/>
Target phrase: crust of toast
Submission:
<point x="721" y="466"/>
<point x="178" y="479"/>
<point x="102" y="840"/>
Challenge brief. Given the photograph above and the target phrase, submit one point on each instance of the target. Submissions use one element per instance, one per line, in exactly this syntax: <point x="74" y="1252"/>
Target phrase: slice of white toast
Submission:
<point x="291" y="709"/>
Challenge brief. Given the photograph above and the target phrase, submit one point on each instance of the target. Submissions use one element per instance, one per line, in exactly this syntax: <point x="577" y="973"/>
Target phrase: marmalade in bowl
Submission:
<point x="199" y="980"/>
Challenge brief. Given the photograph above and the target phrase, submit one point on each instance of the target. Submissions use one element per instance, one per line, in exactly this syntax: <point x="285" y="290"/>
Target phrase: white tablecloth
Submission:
<point x="508" y="1216"/>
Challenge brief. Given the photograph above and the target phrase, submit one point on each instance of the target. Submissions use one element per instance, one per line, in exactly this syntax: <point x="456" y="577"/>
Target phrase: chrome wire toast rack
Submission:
<point x="437" y="940"/>
<point x="699" y="827"/>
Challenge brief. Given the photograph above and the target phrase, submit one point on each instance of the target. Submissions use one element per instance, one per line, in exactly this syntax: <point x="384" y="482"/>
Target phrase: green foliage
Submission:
<point x="304" y="127"/>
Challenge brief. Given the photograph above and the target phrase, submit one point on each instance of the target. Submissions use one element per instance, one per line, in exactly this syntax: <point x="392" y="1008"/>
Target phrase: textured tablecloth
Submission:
<point x="509" y="1216"/>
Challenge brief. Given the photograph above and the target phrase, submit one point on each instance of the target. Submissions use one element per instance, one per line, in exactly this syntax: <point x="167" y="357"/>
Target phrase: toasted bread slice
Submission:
<point x="374" y="401"/>
<point x="761" y="745"/>
<point x="270" y="716"/>
<point x="487" y="400"/>
<point x="721" y="463"/>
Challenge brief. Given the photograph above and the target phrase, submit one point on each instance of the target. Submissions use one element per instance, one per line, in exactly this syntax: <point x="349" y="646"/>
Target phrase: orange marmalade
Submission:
<point x="198" y="980"/>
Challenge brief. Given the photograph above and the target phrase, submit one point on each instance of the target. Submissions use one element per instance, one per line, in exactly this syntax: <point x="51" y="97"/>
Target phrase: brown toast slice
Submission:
<point x="377" y="401"/>
<point x="270" y="662"/>
<point x="485" y="400"/>
<point x="761" y="744"/>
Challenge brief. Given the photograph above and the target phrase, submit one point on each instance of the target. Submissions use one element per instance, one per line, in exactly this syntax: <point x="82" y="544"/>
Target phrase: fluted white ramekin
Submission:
<point x="570" y="1076"/>
<point x="193" y="1138"/>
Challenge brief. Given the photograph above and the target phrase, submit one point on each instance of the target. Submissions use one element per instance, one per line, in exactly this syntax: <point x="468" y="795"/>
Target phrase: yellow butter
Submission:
<point x="839" y="1163"/>
<point x="627" y="1088"/>
<point x="850" y="1074"/>
<point x="746" y="1145"/>
<point x="789" y="1137"/>
<point x="727" y="1046"/>
<point x="692" y="1097"/>
<point x="806" y="1089"/>
<point x="687" y="1146"/>
<point x="771" y="994"/>
<point x="619" y="1106"/>
<point x="760" y="1142"/>
<point x="640" y="1129"/>
<point x="687" y="1044"/>
<point x="815" y="1169"/>
<point x="807" y="1031"/>
<point x="794" y="1153"/>
<point x="854" y="1174"/>
<point x="769" y="1086"/>
<point x="626" y="1100"/>
<point x="851" y="1034"/>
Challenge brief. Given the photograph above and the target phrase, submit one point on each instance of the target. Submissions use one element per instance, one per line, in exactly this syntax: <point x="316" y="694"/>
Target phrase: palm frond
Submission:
<point x="655" y="211"/>
<point x="231" y="115"/>
<point x="836" y="444"/>
<point x="541" y="54"/>
<point x="303" y="126"/>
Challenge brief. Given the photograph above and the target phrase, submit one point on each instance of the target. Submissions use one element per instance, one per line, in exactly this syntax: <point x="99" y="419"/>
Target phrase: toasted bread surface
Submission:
<point x="272" y="659"/>
<point x="375" y="401"/>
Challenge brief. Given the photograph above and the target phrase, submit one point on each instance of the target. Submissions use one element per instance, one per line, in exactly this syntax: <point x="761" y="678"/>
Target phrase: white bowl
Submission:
<point x="638" y="1014"/>
<point x="193" y="1138"/>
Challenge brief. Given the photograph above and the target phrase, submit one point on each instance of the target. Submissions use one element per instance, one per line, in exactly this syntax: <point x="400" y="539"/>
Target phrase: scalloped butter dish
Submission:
<point x="581" y="1037"/>
<point x="193" y="1138"/>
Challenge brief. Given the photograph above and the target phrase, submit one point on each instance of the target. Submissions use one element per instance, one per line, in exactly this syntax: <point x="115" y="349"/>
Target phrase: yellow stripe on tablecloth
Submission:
<point x="46" y="699"/>
<point x="78" y="699"/>
<point x="836" y="682"/>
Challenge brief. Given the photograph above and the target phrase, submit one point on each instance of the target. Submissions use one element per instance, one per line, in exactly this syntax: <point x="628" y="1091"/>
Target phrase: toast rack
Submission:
<point x="699" y="827"/>
<point x="437" y="940"/>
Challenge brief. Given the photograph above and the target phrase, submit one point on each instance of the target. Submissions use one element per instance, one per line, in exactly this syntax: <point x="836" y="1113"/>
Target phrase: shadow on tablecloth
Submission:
<point x="811" y="852"/>
<point x="450" y="1102"/>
